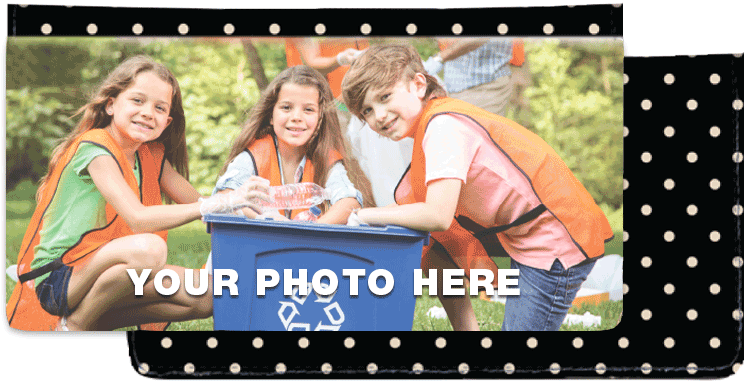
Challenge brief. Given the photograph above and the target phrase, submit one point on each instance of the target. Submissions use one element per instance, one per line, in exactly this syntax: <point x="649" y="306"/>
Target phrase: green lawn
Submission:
<point x="189" y="246"/>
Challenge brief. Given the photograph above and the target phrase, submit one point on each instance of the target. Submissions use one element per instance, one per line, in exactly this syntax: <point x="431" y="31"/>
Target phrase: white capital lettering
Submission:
<point x="262" y="283"/>
<point x="330" y="288"/>
<point x="202" y="283"/>
<point x="290" y="282"/>
<point x="430" y="281"/>
<point x="159" y="282"/>
<point x="138" y="281"/>
<point x="353" y="275"/>
<point x="220" y="283"/>
<point x="372" y="282"/>
<point x="449" y="281"/>
<point x="504" y="282"/>
<point x="475" y="282"/>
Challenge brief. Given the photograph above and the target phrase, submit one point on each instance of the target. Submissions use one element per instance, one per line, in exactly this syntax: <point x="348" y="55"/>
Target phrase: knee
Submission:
<point x="203" y="307"/>
<point x="149" y="251"/>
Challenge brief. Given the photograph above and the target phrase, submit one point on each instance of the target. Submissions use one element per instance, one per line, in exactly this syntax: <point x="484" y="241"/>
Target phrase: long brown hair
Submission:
<point x="328" y="138"/>
<point x="383" y="66"/>
<point x="94" y="115"/>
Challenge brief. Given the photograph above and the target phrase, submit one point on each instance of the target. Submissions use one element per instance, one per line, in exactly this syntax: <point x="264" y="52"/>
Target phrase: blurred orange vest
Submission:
<point x="327" y="48"/>
<point x="264" y="155"/>
<point x="554" y="183"/>
<point x="23" y="309"/>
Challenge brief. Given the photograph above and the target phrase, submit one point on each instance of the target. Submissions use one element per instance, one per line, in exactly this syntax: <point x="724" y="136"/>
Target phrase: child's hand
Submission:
<point x="248" y="195"/>
<point x="347" y="56"/>
<point x="273" y="215"/>
<point x="354" y="220"/>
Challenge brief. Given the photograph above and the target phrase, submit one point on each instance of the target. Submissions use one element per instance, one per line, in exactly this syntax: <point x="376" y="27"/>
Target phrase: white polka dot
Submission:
<point x="326" y="368"/>
<point x="46" y="29"/>
<point x="692" y="104"/>
<point x="736" y="367"/>
<point x="625" y="236"/>
<point x="91" y="29"/>
<point x="509" y="368"/>
<point x="646" y="157"/>
<point x="646" y="261"/>
<point x="486" y="342"/>
<point x="532" y="342"/>
<point x="737" y="210"/>
<point x="623" y="342"/>
<point x="417" y="368"/>
<point x="463" y="368"/>
<point x="669" y="342"/>
<point x="738" y="55"/>
<point x="692" y="157"/>
<point x="229" y="29"/>
<point x="280" y="368"/>
<point x="372" y="368"/>
<point x="692" y="314"/>
<point x="646" y="314"/>
<point x="714" y="131"/>
<point x="625" y="184"/>
<point x="737" y="157"/>
<point x="714" y="184"/>
<point x="625" y="78"/>
<point x="554" y="368"/>
<point x="440" y="342"/>
<point x="166" y="343"/>
<point x="715" y="78"/>
<point x="669" y="131"/>
<point x="669" y="236"/>
<point x="189" y="368"/>
<point x="625" y="289"/>
<point x="714" y="236"/>
<point x="183" y="29"/>
<point x="212" y="342"/>
<point x="349" y="342"/>
<point x="320" y="28"/>
<point x="303" y="342"/>
<point x="578" y="342"/>
<point x="625" y="131"/>
<point x="395" y="342"/>
<point x="669" y="184"/>
<point x="714" y="289"/>
<point x="234" y="368"/>
<point x="457" y="29"/>
<point x="646" y="104"/>
<point x="646" y="368"/>
<point x="669" y="78"/>
<point x="137" y="28"/>
<point x="715" y="342"/>
<point x="737" y="105"/>
<point x="143" y="368"/>
<point x="594" y="29"/>
<point x="692" y="210"/>
<point x="737" y="314"/>
<point x="411" y="29"/>
<point x="258" y="343"/>
<point x="502" y="29"/>
<point x="601" y="368"/>
<point x="548" y="29"/>
<point x="692" y="261"/>
<point x="668" y="288"/>
<point x="274" y="28"/>
<point x="366" y="29"/>
<point x="646" y="210"/>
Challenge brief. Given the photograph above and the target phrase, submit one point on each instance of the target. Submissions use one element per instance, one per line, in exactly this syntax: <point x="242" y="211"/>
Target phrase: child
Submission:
<point x="99" y="211"/>
<point x="480" y="183"/>
<point x="292" y="135"/>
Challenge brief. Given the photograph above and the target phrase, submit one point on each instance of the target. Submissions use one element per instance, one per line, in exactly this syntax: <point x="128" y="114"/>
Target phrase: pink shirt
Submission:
<point x="495" y="192"/>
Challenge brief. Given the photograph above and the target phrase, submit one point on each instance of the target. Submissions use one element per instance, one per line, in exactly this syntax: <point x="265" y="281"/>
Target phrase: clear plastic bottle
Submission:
<point x="311" y="215"/>
<point x="295" y="196"/>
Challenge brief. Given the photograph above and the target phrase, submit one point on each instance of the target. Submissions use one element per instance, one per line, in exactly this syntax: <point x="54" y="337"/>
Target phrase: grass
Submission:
<point x="189" y="246"/>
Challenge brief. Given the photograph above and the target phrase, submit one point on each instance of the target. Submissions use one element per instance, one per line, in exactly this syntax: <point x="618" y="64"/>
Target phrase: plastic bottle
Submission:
<point x="295" y="196"/>
<point x="310" y="215"/>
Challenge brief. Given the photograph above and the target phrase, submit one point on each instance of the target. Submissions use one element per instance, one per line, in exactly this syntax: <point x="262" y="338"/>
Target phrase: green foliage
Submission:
<point x="575" y="105"/>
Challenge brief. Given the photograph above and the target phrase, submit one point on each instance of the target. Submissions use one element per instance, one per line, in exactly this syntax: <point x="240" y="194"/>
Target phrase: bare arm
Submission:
<point x="340" y="211"/>
<point x="111" y="184"/>
<point x="459" y="47"/>
<point x="309" y="51"/>
<point x="434" y="215"/>
<point x="176" y="187"/>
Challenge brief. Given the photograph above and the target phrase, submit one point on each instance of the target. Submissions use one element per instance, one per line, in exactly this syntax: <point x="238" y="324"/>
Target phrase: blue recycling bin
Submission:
<point x="248" y="245"/>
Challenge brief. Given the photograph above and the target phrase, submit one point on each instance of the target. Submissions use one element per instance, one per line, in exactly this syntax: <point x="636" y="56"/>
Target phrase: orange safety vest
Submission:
<point x="264" y="155"/>
<point x="23" y="309"/>
<point x="468" y="243"/>
<point x="327" y="48"/>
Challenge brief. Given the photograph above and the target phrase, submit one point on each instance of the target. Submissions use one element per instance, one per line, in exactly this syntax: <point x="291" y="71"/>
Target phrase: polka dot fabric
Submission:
<point x="683" y="220"/>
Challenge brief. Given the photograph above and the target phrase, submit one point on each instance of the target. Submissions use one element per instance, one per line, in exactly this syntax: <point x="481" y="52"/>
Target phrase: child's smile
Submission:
<point x="296" y="114"/>
<point x="140" y="113"/>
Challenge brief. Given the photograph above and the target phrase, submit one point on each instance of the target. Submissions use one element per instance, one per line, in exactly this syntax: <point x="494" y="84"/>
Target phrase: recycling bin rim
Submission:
<point x="388" y="230"/>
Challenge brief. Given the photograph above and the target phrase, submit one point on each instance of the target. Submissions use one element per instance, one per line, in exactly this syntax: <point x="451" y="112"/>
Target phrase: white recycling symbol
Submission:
<point x="288" y="311"/>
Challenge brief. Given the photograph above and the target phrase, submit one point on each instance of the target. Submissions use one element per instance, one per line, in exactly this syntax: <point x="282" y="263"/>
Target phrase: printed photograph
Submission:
<point x="314" y="184"/>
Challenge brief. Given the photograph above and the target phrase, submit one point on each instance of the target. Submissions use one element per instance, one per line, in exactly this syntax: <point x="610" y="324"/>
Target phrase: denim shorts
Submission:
<point x="545" y="296"/>
<point x="53" y="291"/>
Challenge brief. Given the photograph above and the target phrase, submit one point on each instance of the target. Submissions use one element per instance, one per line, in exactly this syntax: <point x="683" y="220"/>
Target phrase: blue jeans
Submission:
<point x="53" y="291"/>
<point x="545" y="296"/>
